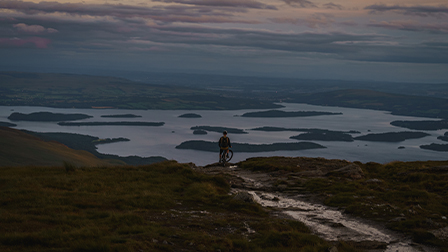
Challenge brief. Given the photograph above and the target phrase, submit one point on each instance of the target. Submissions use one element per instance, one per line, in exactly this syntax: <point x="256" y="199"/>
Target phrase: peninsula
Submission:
<point x="219" y="129"/>
<point x="46" y="117"/>
<point x="190" y="115"/>
<point x="435" y="147"/>
<point x="422" y="125"/>
<point x="280" y="113"/>
<point x="7" y="124"/>
<point x="324" y="136"/>
<point x="155" y="124"/>
<point x="122" y="116"/>
<point x="392" y="137"/>
<point x="277" y="129"/>
<point x="444" y="137"/>
<point x="245" y="147"/>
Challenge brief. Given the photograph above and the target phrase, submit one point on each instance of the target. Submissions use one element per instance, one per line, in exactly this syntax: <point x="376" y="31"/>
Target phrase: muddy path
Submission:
<point x="329" y="223"/>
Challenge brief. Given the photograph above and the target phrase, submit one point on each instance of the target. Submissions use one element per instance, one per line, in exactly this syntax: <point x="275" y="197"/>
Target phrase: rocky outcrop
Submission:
<point x="351" y="171"/>
<point x="244" y="197"/>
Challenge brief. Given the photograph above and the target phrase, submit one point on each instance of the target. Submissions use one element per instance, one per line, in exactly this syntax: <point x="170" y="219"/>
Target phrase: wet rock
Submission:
<point x="245" y="197"/>
<point x="441" y="233"/>
<point x="374" y="181"/>
<point x="351" y="171"/>
<point x="282" y="187"/>
<point x="397" y="219"/>
<point x="313" y="173"/>
<point x="333" y="249"/>
<point x="369" y="245"/>
<point x="336" y="225"/>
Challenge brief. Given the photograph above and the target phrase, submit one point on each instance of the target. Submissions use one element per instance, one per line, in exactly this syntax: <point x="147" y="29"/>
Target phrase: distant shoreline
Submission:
<point x="153" y="124"/>
<point x="245" y="147"/>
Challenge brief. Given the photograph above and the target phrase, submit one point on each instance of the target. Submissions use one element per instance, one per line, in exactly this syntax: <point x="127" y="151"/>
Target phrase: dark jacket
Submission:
<point x="221" y="145"/>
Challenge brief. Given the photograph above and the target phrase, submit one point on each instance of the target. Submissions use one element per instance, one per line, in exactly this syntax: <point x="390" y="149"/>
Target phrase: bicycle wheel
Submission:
<point x="229" y="156"/>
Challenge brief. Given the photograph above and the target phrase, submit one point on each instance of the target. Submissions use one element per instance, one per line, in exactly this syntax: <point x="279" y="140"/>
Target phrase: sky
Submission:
<point x="394" y="40"/>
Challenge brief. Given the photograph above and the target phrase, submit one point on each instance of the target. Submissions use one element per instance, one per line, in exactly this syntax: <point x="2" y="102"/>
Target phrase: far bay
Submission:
<point x="161" y="141"/>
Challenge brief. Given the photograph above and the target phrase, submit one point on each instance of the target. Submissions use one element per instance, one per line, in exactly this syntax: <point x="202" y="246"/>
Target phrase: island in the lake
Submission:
<point x="324" y="136"/>
<point x="46" y="117"/>
<point x="435" y="147"/>
<point x="280" y="113"/>
<point x="422" y="125"/>
<point x="190" y="115"/>
<point x="122" y="116"/>
<point x="155" y="124"/>
<point x="277" y="129"/>
<point x="199" y="132"/>
<point x="444" y="137"/>
<point x="110" y="140"/>
<point x="245" y="147"/>
<point x="219" y="129"/>
<point x="7" y="124"/>
<point x="392" y="137"/>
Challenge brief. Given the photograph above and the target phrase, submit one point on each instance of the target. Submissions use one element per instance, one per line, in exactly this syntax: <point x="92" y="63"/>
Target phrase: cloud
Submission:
<point x="105" y="29"/>
<point x="412" y="26"/>
<point x="333" y="6"/>
<point x="18" y="42"/>
<point x="314" y="21"/>
<point x="223" y="3"/>
<point x="187" y="14"/>
<point x="300" y="3"/>
<point x="419" y="10"/>
<point x="33" y="28"/>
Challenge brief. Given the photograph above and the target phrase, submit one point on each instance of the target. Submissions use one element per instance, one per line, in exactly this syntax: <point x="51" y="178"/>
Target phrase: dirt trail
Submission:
<point x="328" y="223"/>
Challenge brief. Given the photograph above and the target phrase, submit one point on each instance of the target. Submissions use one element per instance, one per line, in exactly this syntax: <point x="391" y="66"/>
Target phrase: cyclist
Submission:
<point x="224" y="144"/>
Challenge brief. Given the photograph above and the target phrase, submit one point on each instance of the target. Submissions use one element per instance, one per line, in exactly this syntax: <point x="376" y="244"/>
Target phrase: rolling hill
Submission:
<point x="21" y="149"/>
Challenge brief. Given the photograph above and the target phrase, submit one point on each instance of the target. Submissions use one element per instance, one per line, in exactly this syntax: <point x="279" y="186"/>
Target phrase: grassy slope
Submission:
<point x="160" y="207"/>
<point x="18" y="148"/>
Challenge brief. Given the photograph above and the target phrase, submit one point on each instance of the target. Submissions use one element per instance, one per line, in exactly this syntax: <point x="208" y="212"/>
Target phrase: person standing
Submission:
<point x="224" y="144"/>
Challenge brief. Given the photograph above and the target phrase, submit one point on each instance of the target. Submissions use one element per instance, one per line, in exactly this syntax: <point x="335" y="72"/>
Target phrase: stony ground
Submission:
<point x="290" y="184"/>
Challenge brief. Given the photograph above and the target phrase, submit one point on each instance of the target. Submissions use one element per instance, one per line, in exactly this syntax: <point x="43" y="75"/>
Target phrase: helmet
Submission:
<point x="225" y="132"/>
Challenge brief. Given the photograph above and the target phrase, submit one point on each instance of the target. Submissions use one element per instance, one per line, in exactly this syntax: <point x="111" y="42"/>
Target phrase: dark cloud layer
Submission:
<point x="412" y="26"/>
<point x="223" y="3"/>
<point x="300" y="3"/>
<point x="333" y="6"/>
<point x="214" y="29"/>
<point x="419" y="10"/>
<point x="188" y="14"/>
<point x="313" y="21"/>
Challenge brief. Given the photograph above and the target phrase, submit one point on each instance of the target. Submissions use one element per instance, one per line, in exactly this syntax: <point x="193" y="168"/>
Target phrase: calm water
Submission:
<point x="161" y="141"/>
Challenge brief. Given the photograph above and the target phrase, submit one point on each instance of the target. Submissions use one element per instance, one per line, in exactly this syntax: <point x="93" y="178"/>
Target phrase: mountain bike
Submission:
<point x="226" y="157"/>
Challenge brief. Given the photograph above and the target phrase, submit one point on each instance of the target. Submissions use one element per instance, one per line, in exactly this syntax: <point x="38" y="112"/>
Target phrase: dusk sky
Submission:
<point x="395" y="40"/>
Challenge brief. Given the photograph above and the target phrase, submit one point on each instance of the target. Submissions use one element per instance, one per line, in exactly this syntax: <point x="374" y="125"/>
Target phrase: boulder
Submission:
<point x="441" y="233"/>
<point x="351" y="171"/>
<point x="245" y="197"/>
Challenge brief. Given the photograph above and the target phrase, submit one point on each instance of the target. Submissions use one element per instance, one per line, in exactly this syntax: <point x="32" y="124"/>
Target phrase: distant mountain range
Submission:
<point x="215" y="92"/>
